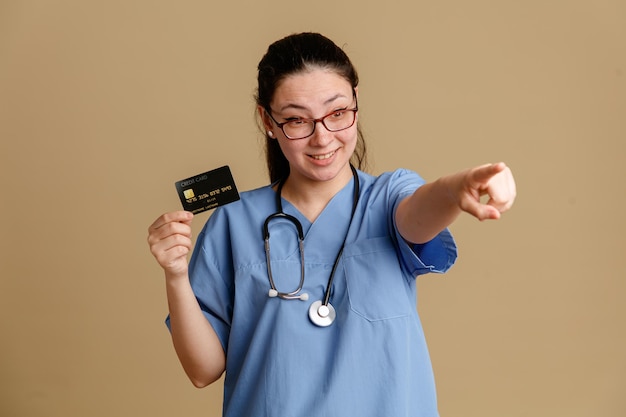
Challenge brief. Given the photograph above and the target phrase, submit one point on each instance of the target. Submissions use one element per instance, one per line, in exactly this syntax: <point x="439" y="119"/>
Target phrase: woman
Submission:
<point x="349" y="342"/>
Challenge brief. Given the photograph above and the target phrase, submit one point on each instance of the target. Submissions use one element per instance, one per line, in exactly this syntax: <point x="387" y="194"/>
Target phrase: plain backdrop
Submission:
<point x="105" y="104"/>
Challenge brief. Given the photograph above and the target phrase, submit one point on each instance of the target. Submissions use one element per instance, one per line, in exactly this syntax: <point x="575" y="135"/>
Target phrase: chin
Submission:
<point x="329" y="172"/>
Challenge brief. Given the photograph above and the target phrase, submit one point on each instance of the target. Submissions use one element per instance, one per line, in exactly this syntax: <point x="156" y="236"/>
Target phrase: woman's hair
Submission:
<point x="291" y="55"/>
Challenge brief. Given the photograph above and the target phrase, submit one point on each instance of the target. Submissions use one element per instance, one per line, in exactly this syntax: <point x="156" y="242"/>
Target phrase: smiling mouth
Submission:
<point x="321" y="157"/>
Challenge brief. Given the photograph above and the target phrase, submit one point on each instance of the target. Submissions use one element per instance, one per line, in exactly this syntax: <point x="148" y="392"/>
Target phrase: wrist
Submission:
<point x="176" y="277"/>
<point x="448" y="189"/>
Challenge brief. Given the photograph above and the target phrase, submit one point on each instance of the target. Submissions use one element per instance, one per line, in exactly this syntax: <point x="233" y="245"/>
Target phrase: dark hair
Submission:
<point x="291" y="55"/>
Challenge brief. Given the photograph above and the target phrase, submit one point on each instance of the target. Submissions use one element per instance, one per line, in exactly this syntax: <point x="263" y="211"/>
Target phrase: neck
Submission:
<point x="310" y="197"/>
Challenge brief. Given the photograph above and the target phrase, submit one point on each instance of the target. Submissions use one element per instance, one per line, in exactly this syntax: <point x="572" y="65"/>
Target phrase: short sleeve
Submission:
<point x="437" y="255"/>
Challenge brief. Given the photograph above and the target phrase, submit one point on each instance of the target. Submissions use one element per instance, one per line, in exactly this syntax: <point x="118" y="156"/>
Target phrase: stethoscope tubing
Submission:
<point x="317" y="307"/>
<point x="266" y="234"/>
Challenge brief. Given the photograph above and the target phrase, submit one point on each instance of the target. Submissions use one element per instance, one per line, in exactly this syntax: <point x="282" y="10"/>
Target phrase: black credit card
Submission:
<point x="207" y="191"/>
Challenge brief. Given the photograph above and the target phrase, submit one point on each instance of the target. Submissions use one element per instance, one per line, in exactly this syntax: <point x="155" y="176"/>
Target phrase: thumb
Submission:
<point x="479" y="210"/>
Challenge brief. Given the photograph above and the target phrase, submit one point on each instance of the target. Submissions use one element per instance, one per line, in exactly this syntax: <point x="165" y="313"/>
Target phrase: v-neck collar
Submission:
<point x="324" y="236"/>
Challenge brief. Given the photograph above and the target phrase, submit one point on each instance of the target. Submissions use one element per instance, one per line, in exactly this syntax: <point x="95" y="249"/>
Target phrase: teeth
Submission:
<point x="320" y="157"/>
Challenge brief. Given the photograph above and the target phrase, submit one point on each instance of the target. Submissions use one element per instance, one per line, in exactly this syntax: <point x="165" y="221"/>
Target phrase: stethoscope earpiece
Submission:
<point x="272" y="293"/>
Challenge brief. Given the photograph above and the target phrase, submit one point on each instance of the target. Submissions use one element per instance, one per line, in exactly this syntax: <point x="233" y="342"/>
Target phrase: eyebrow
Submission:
<point x="300" y="107"/>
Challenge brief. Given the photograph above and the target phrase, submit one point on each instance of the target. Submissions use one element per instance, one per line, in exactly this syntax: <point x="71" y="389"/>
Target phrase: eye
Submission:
<point x="296" y="122"/>
<point x="338" y="114"/>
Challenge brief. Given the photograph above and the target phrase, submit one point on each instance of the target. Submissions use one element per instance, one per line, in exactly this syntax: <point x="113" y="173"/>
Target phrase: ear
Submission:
<point x="265" y="119"/>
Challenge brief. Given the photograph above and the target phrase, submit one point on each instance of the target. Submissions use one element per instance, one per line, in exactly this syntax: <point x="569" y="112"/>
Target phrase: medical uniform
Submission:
<point x="373" y="360"/>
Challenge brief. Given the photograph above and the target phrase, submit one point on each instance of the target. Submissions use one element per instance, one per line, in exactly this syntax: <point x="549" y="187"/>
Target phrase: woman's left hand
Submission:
<point x="493" y="180"/>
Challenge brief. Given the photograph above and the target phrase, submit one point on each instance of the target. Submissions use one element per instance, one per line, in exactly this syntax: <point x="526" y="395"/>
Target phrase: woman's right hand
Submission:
<point x="197" y="345"/>
<point x="169" y="238"/>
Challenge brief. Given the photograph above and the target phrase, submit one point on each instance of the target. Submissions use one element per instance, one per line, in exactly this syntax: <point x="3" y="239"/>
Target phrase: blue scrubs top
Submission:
<point x="373" y="360"/>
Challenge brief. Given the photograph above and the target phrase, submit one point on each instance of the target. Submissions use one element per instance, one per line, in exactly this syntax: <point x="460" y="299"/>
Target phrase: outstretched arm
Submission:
<point x="434" y="206"/>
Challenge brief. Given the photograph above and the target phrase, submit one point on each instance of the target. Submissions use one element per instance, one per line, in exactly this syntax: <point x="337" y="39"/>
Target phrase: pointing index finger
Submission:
<point x="483" y="173"/>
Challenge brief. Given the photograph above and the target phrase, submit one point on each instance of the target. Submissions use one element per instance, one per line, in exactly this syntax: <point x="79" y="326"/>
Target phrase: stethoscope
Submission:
<point x="321" y="312"/>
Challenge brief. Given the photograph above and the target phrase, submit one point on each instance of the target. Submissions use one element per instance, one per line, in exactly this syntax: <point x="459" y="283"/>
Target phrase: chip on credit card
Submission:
<point x="208" y="190"/>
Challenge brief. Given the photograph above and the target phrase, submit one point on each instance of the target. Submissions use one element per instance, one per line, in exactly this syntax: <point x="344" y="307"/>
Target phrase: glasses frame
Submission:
<point x="315" y="121"/>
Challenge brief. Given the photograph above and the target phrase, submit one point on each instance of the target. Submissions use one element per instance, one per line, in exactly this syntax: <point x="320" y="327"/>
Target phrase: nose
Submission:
<point x="321" y="136"/>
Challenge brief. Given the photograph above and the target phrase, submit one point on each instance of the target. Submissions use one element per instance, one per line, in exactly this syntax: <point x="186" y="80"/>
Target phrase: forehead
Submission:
<point x="311" y="87"/>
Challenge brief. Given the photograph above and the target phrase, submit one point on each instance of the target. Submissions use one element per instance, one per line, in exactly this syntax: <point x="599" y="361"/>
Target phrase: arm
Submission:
<point x="434" y="206"/>
<point x="196" y="343"/>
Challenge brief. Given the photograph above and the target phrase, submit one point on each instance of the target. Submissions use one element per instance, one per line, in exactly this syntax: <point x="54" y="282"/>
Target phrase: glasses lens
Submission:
<point x="298" y="129"/>
<point x="339" y="120"/>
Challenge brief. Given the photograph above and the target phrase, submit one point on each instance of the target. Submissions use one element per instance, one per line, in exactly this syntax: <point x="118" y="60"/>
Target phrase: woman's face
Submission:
<point x="324" y="155"/>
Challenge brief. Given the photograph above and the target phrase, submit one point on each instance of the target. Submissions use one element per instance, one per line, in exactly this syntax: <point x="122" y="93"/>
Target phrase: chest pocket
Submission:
<point x="377" y="289"/>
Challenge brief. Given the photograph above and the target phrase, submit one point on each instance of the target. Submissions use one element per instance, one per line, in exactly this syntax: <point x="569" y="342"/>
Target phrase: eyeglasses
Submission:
<point x="300" y="128"/>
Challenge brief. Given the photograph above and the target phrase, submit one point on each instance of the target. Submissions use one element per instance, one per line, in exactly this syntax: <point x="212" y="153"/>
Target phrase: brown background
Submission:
<point x="104" y="104"/>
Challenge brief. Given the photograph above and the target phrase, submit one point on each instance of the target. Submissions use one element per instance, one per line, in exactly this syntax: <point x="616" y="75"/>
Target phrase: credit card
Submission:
<point x="207" y="191"/>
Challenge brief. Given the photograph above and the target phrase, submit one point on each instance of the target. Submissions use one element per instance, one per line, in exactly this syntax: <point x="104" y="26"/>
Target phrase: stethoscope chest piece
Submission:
<point x="322" y="315"/>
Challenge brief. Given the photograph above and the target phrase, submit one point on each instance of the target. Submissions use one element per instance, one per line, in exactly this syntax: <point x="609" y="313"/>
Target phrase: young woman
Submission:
<point x="304" y="291"/>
